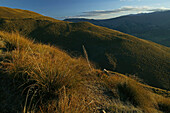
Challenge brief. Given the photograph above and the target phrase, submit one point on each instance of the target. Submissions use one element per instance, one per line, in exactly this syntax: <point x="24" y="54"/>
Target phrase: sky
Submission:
<point x="92" y="9"/>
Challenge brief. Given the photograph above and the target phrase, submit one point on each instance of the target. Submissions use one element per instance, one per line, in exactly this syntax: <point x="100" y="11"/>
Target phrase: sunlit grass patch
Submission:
<point x="42" y="70"/>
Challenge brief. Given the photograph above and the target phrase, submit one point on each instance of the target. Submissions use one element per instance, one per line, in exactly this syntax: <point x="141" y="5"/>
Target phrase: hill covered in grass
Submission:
<point x="9" y="13"/>
<point x="150" y="26"/>
<point x="6" y="12"/>
<point x="106" y="48"/>
<point x="42" y="78"/>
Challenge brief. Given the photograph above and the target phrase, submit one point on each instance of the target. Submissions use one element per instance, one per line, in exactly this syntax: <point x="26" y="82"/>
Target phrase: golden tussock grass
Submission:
<point x="52" y="81"/>
<point x="44" y="72"/>
<point x="130" y="91"/>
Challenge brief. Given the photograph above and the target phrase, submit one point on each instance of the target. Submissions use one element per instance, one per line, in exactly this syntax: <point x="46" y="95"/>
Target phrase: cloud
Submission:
<point x="125" y="9"/>
<point x="122" y="9"/>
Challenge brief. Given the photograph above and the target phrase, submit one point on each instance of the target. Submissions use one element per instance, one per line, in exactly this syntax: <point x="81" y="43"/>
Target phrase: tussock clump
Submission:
<point x="41" y="71"/>
<point x="138" y="96"/>
<point x="45" y="79"/>
<point x="130" y="91"/>
<point x="164" y="104"/>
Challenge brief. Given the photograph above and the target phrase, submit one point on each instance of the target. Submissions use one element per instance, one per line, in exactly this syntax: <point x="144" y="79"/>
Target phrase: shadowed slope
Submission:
<point x="150" y="26"/>
<point x="42" y="78"/>
<point x="107" y="48"/>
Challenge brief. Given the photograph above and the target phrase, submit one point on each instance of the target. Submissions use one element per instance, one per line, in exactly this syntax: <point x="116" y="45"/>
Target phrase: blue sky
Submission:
<point x="96" y="9"/>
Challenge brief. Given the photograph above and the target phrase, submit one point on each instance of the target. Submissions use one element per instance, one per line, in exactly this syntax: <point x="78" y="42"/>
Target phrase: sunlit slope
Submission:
<point x="9" y="13"/>
<point x="42" y="78"/>
<point x="107" y="48"/>
<point x="17" y="13"/>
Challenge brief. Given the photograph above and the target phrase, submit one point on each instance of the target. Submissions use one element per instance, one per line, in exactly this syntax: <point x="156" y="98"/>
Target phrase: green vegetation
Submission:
<point x="41" y="78"/>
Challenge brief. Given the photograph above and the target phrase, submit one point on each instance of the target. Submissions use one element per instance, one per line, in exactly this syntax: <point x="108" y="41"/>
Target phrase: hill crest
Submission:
<point x="150" y="26"/>
<point x="106" y="48"/>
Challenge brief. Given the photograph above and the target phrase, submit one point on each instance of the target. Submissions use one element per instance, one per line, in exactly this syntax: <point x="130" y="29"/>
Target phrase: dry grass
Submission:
<point x="113" y="50"/>
<point x="42" y="70"/>
<point x="130" y="91"/>
<point x="164" y="104"/>
<point x="53" y="82"/>
<point x="17" y="14"/>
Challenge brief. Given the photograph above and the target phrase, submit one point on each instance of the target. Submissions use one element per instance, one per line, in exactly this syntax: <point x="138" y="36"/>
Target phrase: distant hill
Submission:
<point x="150" y="26"/>
<point x="106" y="48"/>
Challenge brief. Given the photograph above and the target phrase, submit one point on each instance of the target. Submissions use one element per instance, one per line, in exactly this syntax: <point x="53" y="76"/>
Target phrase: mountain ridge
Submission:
<point x="149" y="26"/>
<point x="105" y="47"/>
<point x="42" y="69"/>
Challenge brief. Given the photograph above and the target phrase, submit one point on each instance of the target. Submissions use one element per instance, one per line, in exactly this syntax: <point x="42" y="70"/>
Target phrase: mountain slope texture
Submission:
<point x="150" y="26"/>
<point x="55" y="78"/>
<point x="41" y="78"/>
<point x="106" y="48"/>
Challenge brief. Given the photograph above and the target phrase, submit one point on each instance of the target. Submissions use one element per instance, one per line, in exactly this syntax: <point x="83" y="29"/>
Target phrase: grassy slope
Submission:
<point x="38" y="73"/>
<point x="8" y="13"/>
<point x="107" y="48"/>
<point x="42" y="78"/>
<point x="17" y="13"/>
<point x="149" y="26"/>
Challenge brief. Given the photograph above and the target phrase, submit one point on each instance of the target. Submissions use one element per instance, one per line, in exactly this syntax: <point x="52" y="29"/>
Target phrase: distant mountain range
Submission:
<point x="150" y="26"/>
<point x="105" y="47"/>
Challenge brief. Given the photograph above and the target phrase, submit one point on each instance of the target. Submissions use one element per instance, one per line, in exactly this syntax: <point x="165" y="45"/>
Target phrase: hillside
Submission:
<point x="6" y="12"/>
<point x="149" y="26"/>
<point x="40" y="78"/>
<point x="106" y="48"/>
<point x="9" y="13"/>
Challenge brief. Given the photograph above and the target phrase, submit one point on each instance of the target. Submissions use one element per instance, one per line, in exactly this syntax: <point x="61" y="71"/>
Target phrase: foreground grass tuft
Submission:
<point x="130" y="91"/>
<point x="42" y="71"/>
<point x="44" y="79"/>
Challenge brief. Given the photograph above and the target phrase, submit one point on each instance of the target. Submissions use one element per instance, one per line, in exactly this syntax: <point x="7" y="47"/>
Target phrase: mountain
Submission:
<point x="150" y="26"/>
<point x="106" y="48"/>
<point x="38" y="78"/>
